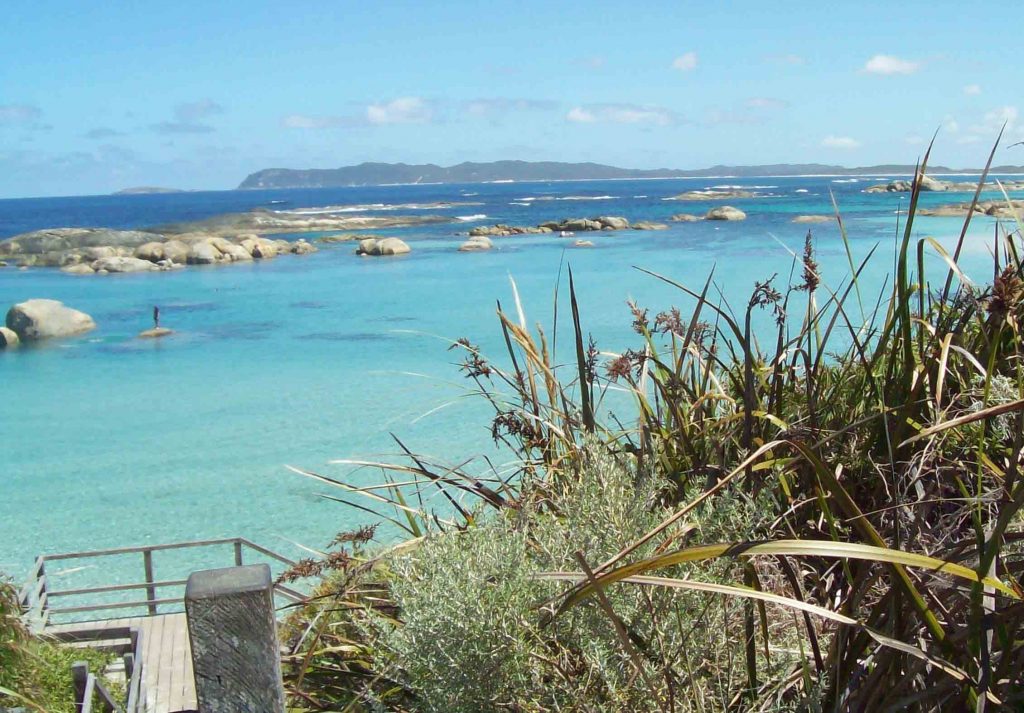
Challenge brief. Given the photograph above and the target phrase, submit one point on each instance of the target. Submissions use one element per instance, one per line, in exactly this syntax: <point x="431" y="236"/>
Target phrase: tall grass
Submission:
<point x="882" y="438"/>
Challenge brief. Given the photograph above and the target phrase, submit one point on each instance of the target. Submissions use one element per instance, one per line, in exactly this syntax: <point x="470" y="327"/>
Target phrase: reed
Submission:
<point x="882" y="444"/>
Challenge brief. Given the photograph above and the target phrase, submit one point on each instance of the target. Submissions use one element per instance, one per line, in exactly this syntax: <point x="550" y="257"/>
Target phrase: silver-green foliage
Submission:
<point x="475" y="636"/>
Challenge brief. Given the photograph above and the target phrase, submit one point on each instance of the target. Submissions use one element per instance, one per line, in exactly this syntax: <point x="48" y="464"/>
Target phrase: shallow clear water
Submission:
<point x="109" y="440"/>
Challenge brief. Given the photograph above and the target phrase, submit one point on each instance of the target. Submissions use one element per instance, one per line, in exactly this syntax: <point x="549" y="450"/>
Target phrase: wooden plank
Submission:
<point x="152" y="671"/>
<point x="174" y="682"/>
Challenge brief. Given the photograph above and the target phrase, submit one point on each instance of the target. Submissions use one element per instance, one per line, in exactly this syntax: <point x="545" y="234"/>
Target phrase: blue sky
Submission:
<point x="99" y="96"/>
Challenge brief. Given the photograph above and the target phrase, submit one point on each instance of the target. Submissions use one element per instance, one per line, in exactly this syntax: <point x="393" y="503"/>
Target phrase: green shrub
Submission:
<point x="36" y="672"/>
<point x="474" y="638"/>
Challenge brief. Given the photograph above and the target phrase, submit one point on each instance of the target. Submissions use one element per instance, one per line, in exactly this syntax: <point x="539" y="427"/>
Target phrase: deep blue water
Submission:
<point x="109" y="440"/>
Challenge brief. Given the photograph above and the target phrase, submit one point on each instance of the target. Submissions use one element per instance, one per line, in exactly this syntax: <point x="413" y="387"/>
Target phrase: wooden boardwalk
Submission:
<point x="167" y="659"/>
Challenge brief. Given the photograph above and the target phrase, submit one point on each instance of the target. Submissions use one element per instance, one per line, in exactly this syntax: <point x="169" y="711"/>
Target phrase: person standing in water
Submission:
<point x="156" y="317"/>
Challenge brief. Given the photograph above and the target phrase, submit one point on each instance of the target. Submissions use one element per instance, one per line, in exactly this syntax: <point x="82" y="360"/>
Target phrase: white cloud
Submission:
<point x="193" y="111"/>
<point x="887" y="64"/>
<point x="840" y="142"/>
<point x="1003" y="115"/>
<point x="505" y="105"/>
<point x="766" y="103"/>
<point x="951" y="125"/>
<point x="302" y="121"/>
<point x="580" y="116"/>
<point x="621" y="114"/>
<point x="19" y="114"/>
<point x="188" y="118"/>
<point x="914" y="140"/>
<point x="685" y="62"/>
<point x="404" y="110"/>
<point x="969" y="139"/>
<point x="972" y="90"/>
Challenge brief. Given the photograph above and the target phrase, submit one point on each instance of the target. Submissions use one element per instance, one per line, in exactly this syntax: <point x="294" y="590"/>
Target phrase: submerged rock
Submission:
<point x="725" y="212"/>
<point x="156" y="333"/>
<point x="685" y="218"/>
<point x="44" y="319"/>
<point x="813" y="219"/>
<point x="385" y="246"/>
<point x="582" y="244"/>
<point x="649" y="225"/>
<point x="8" y="338"/>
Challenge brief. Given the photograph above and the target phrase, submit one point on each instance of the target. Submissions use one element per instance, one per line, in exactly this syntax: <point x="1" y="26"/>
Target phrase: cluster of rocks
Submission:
<point x="35" y="320"/>
<point x="571" y="225"/>
<point x="996" y="209"/>
<point x="87" y="251"/>
<point x="930" y="184"/>
<point x="724" y="212"/>
<point x="328" y="219"/>
<point x="382" y="246"/>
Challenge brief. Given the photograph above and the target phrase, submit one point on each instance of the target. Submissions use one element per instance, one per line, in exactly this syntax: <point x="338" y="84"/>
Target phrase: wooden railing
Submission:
<point x="37" y="596"/>
<point x="89" y="689"/>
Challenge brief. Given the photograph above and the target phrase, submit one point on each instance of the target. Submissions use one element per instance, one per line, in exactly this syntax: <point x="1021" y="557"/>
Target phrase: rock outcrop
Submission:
<point x="649" y="225"/>
<point x="203" y="254"/>
<point x="477" y="243"/>
<point x="156" y="333"/>
<point x="385" y="246"/>
<point x="124" y="264"/>
<point x="931" y="184"/>
<point x="725" y="212"/>
<point x="685" y="218"/>
<point x="76" y="252"/>
<point x="995" y="209"/>
<point x="813" y="219"/>
<point x="501" y="230"/>
<point x="8" y="338"/>
<point x="45" y="319"/>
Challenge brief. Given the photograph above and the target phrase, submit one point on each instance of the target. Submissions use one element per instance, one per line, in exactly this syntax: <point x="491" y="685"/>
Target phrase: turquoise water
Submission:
<point x="110" y="441"/>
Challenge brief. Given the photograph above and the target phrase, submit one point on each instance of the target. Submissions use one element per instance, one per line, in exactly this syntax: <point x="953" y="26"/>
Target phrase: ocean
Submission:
<point x="113" y="441"/>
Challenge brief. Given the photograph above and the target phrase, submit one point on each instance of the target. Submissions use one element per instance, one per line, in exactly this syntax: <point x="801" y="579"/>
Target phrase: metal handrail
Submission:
<point x="88" y="687"/>
<point x="36" y="595"/>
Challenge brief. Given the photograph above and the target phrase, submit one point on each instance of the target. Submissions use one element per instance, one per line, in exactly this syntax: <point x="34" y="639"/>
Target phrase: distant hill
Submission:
<point x="139" y="190"/>
<point x="373" y="174"/>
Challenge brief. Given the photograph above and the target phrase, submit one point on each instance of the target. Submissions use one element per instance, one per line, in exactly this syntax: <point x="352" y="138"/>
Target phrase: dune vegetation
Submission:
<point x="829" y="521"/>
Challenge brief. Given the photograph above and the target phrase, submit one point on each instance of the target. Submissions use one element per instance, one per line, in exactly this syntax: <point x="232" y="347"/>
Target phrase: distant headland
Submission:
<point x="375" y="174"/>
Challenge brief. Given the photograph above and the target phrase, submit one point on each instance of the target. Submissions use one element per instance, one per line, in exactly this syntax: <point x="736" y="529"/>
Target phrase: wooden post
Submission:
<point x="147" y="560"/>
<point x="79" y="678"/>
<point x="238" y="553"/>
<point x="233" y="631"/>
